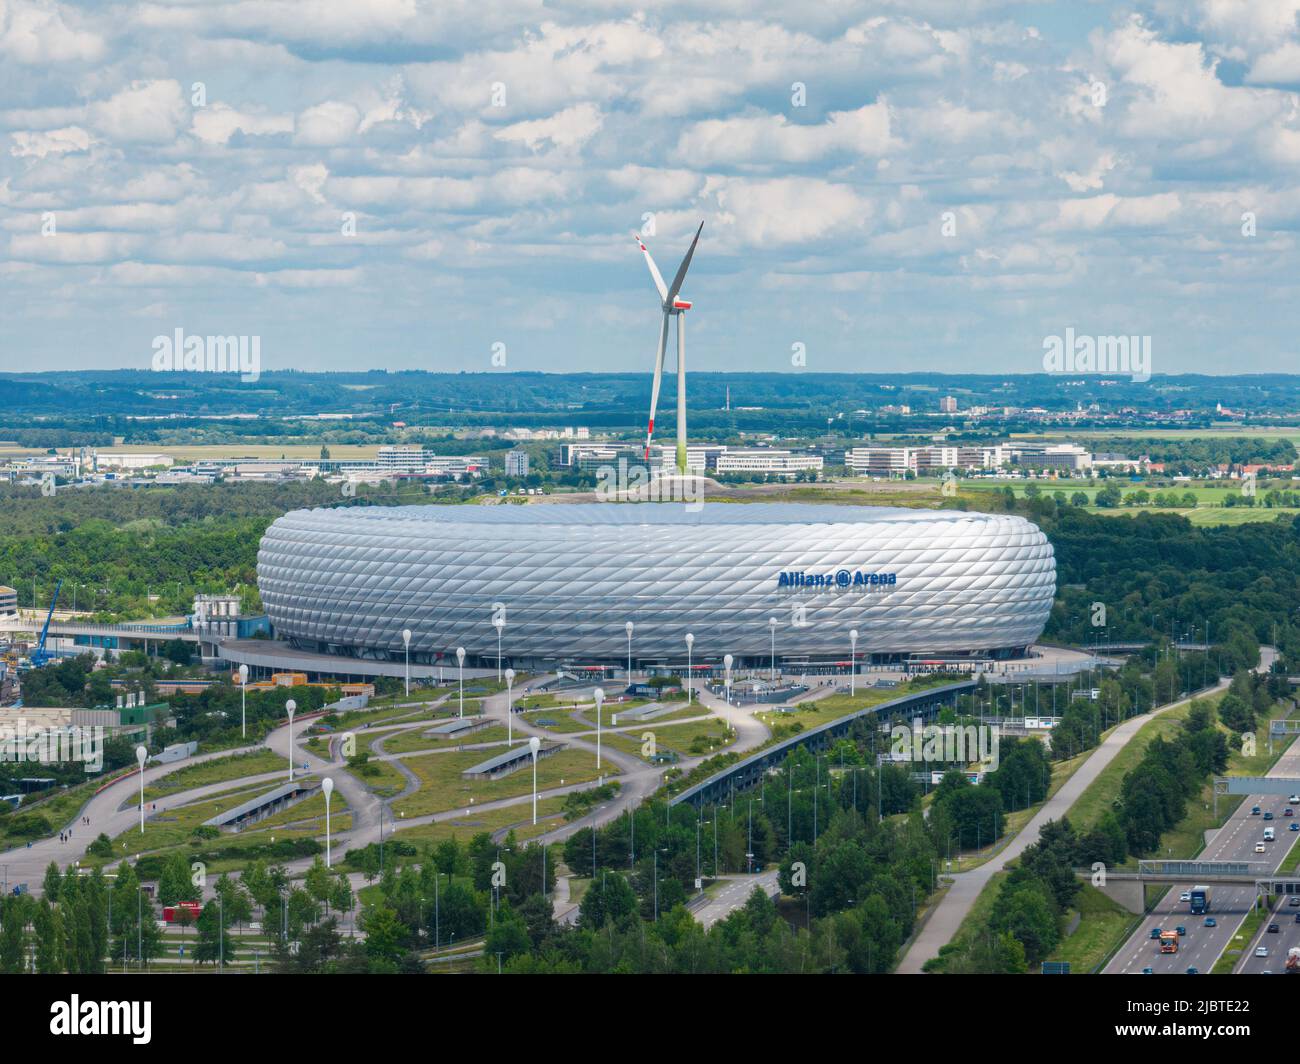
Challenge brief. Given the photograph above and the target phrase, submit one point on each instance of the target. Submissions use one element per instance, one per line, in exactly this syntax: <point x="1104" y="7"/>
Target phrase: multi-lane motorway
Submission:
<point x="1229" y="904"/>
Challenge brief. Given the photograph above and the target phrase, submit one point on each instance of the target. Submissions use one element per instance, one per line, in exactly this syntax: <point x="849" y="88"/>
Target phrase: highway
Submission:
<point x="943" y="923"/>
<point x="1234" y="841"/>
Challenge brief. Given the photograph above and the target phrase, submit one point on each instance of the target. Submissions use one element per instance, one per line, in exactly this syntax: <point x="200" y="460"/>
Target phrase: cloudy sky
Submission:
<point x="907" y="184"/>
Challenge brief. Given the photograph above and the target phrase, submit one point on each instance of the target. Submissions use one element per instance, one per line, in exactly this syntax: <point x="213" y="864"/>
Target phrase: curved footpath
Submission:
<point x="947" y="917"/>
<point x="114" y="809"/>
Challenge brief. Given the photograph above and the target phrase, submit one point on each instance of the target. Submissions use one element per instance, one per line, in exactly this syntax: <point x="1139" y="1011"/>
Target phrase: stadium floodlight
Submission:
<point x="853" y="661"/>
<point x="599" y="696"/>
<point x="673" y="307"/>
<point x="771" y="623"/>
<point x="628" y="628"/>
<point x="726" y="665"/>
<point x="406" y="642"/>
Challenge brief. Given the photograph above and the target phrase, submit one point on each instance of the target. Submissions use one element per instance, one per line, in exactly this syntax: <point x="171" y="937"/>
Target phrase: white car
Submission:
<point x="1185" y="896"/>
<point x="1260" y="847"/>
<point x="1293" y="799"/>
<point x="1261" y="951"/>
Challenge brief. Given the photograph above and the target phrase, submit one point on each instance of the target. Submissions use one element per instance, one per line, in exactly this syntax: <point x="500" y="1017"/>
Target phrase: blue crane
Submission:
<point x="39" y="656"/>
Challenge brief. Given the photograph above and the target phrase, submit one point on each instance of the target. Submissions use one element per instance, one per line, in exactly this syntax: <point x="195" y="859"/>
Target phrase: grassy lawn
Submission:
<point x="1015" y="821"/>
<point x="57" y="806"/>
<point x="216" y="771"/>
<point x="358" y="719"/>
<point x="684" y="713"/>
<point x="976" y="922"/>
<point x="1237" y="944"/>
<point x="1185" y="839"/>
<point x="1103" y="924"/>
<point x="833" y="707"/>
<point x="380" y="777"/>
<point x="1098" y="796"/>
<point x="442" y="787"/>
<point x="172" y="830"/>
<point x="418" y="694"/>
<point x="520" y="817"/>
<point x="560" y="721"/>
<point x="1210" y="496"/>
<point x="570" y="701"/>
<point x="1292" y="860"/>
<point x="702" y="737"/>
<point x="415" y="739"/>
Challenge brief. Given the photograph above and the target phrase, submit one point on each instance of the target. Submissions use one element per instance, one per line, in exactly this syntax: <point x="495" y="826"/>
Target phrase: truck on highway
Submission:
<point x="1293" y="960"/>
<point x="1200" y="899"/>
<point x="1169" y="941"/>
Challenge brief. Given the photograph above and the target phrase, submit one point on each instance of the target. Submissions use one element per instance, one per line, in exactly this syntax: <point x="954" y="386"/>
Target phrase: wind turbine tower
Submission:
<point x="673" y="307"/>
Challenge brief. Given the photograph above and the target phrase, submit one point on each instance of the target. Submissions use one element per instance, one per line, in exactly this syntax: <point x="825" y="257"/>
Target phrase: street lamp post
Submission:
<point x="535" y="744"/>
<point x="510" y="708"/>
<point x="243" y="701"/>
<point x="726" y="672"/>
<point x="771" y="623"/>
<point x="406" y="644"/>
<point x="327" y="785"/>
<point x="140" y="755"/>
<point x="599" y="696"/>
<point x="628" y="628"/>
<point x="499" y="623"/>
<point x="853" y="661"/>
<point x="289" y="707"/>
<point x="690" y="643"/>
<point x="460" y="667"/>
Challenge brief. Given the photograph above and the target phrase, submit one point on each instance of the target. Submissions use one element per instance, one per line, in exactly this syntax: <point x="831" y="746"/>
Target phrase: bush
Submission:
<point x="29" y="826"/>
<point x="101" y="847"/>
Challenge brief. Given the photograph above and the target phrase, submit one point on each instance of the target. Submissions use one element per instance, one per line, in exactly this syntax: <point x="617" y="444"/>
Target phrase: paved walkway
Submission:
<point x="952" y="909"/>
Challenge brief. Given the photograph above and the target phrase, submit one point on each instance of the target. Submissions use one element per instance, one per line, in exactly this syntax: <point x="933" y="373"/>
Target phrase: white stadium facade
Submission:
<point x="566" y="579"/>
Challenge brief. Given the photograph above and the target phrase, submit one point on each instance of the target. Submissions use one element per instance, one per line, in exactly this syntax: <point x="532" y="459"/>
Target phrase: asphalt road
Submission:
<point x="1235" y="841"/>
<point x="948" y="915"/>
<point x="732" y="894"/>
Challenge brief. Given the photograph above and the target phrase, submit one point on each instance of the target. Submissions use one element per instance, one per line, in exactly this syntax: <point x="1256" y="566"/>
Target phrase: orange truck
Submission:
<point x="1168" y="941"/>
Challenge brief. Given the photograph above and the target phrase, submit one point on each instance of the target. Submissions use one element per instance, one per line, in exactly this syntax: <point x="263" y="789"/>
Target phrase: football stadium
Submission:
<point x="566" y="580"/>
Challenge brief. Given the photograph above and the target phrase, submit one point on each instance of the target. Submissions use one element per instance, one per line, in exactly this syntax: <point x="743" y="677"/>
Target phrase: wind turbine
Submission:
<point x="673" y="308"/>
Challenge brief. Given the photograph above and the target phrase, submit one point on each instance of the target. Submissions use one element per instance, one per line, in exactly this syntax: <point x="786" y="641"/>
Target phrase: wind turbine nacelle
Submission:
<point x="681" y="304"/>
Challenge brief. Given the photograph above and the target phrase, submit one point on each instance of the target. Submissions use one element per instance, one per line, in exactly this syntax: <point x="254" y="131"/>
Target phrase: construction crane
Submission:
<point x="39" y="656"/>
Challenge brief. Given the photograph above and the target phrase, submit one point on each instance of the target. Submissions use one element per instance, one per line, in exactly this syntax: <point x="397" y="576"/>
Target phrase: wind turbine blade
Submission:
<point x="654" y="270"/>
<point x="659" y="376"/>
<point x="681" y="270"/>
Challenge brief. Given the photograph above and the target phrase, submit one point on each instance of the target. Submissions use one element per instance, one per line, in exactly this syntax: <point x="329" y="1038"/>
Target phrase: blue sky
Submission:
<point x="406" y="184"/>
